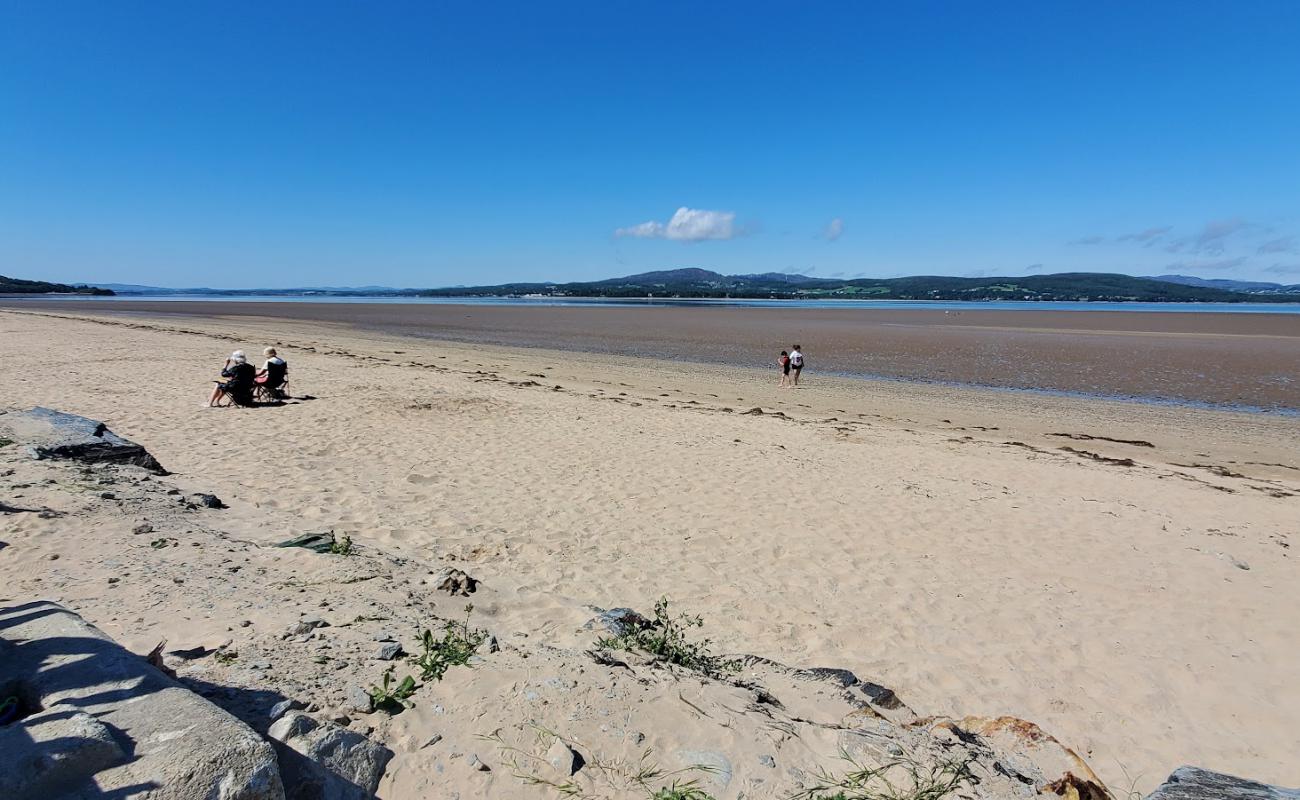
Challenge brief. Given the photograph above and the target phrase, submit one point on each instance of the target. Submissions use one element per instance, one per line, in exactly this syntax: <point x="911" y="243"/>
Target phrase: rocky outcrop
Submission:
<point x="53" y="434"/>
<point x="96" y="719"/>
<point x="323" y="761"/>
<point x="1194" y="783"/>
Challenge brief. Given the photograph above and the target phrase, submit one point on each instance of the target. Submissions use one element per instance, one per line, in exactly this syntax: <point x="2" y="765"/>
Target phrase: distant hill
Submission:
<point x="703" y="283"/>
<point x="1249" y="287"/>
<point x="1082" y="286"/>
<point x="19" y="286"/>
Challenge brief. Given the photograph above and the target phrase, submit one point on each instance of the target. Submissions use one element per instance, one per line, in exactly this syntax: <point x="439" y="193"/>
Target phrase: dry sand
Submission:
<point x="943" y="542"/>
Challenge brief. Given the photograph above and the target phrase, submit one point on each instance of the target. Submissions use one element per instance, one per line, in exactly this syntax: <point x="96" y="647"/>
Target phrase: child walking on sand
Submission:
<point x="784" y="362"/>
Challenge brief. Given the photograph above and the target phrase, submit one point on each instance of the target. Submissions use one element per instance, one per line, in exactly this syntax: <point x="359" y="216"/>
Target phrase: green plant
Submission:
<point x="900" y="779"/>
<point x="642" y="777"/>
<point x="457" y="645"/>
<point x="391" y="696"/>
<point x="342" y="547"/>
<point x="5" y="442"/>
<point x="664" y="639"/>
<point x="681" y="791"/>
<point x="226" y="656"/>
<point x="166" y="541"/>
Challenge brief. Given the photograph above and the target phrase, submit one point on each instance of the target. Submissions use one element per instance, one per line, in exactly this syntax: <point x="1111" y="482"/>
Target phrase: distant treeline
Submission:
<point x="19" y="286"/>
<point x="1076" y="286"/>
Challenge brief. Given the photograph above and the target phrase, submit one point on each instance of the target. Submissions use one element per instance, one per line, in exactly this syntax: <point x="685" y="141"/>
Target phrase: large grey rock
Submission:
<point x="1194" y="783"/>
<point x="180" y="746"/>
<point x="53" y="434"/>
<point x="323" y="761"/>
<point x="53" y="753"/>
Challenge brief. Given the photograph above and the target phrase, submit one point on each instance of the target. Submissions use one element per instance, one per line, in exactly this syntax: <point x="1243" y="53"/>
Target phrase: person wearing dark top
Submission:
<point x="240" y="376"/>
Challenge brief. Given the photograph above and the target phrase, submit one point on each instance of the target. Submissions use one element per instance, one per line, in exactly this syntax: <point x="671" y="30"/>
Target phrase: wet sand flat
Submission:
<point x="1250" y="360"/>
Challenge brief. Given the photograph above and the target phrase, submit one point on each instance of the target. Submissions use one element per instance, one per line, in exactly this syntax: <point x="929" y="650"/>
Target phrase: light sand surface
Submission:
<point x="939" y="541"/>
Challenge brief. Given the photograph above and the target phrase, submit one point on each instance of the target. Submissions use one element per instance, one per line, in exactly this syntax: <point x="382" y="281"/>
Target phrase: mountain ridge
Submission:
<point x="694" y="282"/>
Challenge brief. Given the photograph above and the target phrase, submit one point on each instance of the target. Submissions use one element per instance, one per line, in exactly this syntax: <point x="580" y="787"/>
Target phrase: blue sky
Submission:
<point x="424" y="144"/>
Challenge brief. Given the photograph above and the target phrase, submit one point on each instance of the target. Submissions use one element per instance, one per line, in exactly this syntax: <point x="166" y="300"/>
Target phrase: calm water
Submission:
<point x="998" y="305"/>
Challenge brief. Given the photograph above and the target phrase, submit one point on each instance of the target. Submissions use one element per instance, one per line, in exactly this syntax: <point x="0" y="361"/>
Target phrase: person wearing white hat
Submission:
<point x="238" y="385"/>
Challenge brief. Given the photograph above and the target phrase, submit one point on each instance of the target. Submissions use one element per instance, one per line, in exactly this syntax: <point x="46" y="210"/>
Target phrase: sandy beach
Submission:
<point x="1122" y="574"/>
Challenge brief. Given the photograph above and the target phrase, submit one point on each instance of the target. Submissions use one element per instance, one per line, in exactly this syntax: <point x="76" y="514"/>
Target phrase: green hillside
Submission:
<point x="19" y="286"/>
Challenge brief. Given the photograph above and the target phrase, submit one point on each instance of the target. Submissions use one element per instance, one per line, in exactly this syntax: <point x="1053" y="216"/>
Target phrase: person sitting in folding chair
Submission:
<point x="272" y="381"/>
<point x="238" y="388"/>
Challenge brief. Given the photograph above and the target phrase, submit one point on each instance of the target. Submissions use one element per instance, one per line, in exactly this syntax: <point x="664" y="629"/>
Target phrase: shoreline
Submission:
<point x="1234" y="362"/>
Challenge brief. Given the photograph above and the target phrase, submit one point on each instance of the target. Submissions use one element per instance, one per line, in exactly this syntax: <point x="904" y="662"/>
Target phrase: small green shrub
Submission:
<point x="342" y="547"/>
<point x="602" y="778"/>
<point x="664" y="639"/>
<point x="900" y="779"/>
<point x="224" y="657"/>
<point x="392" y="696"/>
<point x="681" y="791"/>
<point x="457" y="645"/>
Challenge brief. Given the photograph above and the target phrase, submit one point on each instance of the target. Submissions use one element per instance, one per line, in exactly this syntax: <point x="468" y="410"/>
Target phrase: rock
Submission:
<point x="616" y="621"/>
<point x="56" y="435"/>
<point x="306" y="625"/>
<point x="291" y="725"/>
<point x="1194" y="783"/>
<point x="767" y="761"/>
<point x="324" y="760"/>
<point x="477" y="763"/>
<point x="142" y="528"/>
<point x="493" y="645"/>
<point x="54" y="752"/>
<point x="455" y="582"/>
<point x="716" y="766"/>
<point x="284" y="707"/>
<point x="564" y="759"/>
<point x="319" y="542"/>
<point x="359" y="700"/>
<point x="206" y="500"/>
<point x="387" y="651"/>
<point x="182" y="746"/>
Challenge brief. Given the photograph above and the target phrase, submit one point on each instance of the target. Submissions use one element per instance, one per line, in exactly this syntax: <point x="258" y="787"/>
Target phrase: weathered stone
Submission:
<point x="387" y="651"/>
<point x="207" y="500"/>
<point x="182" y="745"/>
<point x="291" y="725"/>
<point x="53" y="434"/>
<point x="564" y="759"/>
<point x="53" y="753"/>
<point x="616" y="621"/>
<point x="323" y="760"/>
<point x="1194" y="783"/>
<point x="455" y="582"/>
<point x="713" y="767"/>
<point x="360" y="700"/>
<point x="319" y="542"/>
<point x="284" y="707"/>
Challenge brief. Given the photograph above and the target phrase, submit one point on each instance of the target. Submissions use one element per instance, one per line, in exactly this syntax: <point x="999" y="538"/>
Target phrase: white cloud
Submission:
<point x="687" y="225"/>
<point x="834" y="229"/>
<point x="1286" y="244"/>
<point x="1145" y="236"/>
<point x="646" y="230"/>
<point x="1202" y="264"/>
<point x="1089" y="240"/>
<point x="1210" y="241"/>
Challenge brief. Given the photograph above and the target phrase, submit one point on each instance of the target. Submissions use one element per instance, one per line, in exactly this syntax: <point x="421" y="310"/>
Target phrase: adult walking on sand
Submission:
<point x="796" y="364"/>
